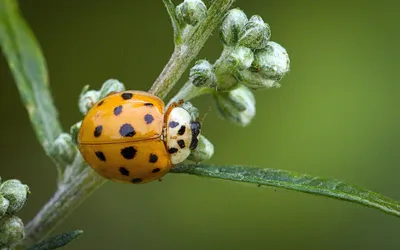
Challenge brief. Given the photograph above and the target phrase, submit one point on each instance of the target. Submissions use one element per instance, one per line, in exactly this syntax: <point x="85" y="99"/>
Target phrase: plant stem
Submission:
<point x="187" y="51"/>
<point x="64" y="201"/>
<point x="188" y="92"/>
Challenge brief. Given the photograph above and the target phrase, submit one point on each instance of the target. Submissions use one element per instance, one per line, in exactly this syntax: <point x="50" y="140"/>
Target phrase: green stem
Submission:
<point x="190" y="91"/>
<point x="187" y="51"/>
<point x="64" y="201"/>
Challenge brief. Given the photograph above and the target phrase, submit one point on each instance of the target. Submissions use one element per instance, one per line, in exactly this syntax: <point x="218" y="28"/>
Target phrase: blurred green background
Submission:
<point x="336" y="115"/>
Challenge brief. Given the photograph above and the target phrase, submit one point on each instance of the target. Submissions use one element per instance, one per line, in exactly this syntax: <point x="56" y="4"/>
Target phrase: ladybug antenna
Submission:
<point x="201" y="120"/>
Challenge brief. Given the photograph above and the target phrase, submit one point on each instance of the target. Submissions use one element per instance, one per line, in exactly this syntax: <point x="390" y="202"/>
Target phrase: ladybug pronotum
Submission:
<point x="128" y="137"/>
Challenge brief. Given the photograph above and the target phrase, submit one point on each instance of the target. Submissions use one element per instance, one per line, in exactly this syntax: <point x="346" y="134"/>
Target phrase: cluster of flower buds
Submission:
<point x="249" y="61"/>
<point x="13" y="196"/>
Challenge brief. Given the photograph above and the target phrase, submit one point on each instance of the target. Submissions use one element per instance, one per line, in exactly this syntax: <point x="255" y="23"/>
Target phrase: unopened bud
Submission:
<point x="16" y="193"/>
<point x="111" y="85"/>
<point x="87" y="99"/>
<point x="11" y="231"/>
<point x="4" y="203"/>
<point x="191" y="12"/>
<point x="202" y="74"/>
<point x="241" y="58"/>
<point x="63" y="149"/>
<point x="269" y="66"/>
<point x="272" y="61"/>
<point x="255" y="34"/>
<point x="237" y="106"/>
<point x="231" y="26"/>
<point x="203" y="152"/>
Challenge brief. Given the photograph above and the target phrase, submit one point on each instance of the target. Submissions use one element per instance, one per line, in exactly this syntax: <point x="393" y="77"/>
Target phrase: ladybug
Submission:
<point x="129" y="137"/>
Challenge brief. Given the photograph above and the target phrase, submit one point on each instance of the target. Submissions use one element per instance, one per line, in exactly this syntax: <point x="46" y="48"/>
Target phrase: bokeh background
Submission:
<point x="336" y="115"/>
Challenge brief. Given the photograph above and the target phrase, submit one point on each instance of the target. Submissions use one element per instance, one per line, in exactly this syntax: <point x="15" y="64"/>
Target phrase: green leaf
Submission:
<point x="57" y="241"/>
<point x="175" y="24"/>
<point x="297" y="182"/>
<point x="29" y="70"/>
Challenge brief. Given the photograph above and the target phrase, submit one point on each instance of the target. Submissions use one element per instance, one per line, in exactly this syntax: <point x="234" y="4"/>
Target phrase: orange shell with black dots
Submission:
<point x="121" y="137"/>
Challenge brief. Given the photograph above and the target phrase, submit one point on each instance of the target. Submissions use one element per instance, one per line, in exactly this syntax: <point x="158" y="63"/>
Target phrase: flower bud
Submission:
<point x="4" y="203"/>
<point x="74" y="131"/>
<point x="11" y="231"/>
<point x="16" y="193"/>
<point x="63" y="149"/>
<point x="272" y="61"/>
<point x="191" y="12"/>
<point x="269" y="66"/>
<point x="237" y="106"/>
<point x="255" y="34"/>
<point x="241" y="57"/>
<point x="255" y="80"/>
<point x="111" y="85"/>
<point x="204" y="150"/>
<point x="202" y="74"/>
<point x="87" y="99"/>
<point x="231" y="26"/>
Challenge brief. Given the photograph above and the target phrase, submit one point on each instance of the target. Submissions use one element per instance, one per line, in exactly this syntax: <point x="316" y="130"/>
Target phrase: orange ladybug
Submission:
<point x="127" y="137"/>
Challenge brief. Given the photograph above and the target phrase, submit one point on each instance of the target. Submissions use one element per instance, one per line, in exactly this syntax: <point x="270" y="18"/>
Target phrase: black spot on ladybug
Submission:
<point x="149" y="104"/>
<point x="173" y="124"/>
<point x="181" y="143"/>
<point x="128" y="153"/>
<point x="153" y="158"/>
<point x="182" y="130"/>
<point x="155" y="170"/>
<point x="195" y="126"/>
<point x="124" y="171"/>
<point x="127" y="130"/>
<point x="172" y="150"/>
<point x="148" y="118"/>
<point x="117" y="110"/>
<point x="137" y="180"/>
<point x="100" y="103"/>
<point x="100" y="155"/>
<point x="126" y="96"/>
<point x="97" y="131"/>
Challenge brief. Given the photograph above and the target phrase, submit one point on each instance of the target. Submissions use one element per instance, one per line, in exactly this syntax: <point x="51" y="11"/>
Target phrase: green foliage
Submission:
<point x="29" y="70"/>
<point x="28" y="67"/>
<point x="57" y="241"/>
<point x="297" y="182"/>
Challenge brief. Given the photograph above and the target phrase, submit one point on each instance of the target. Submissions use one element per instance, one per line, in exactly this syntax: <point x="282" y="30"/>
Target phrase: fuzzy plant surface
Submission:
<point x="250" y="60"/>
